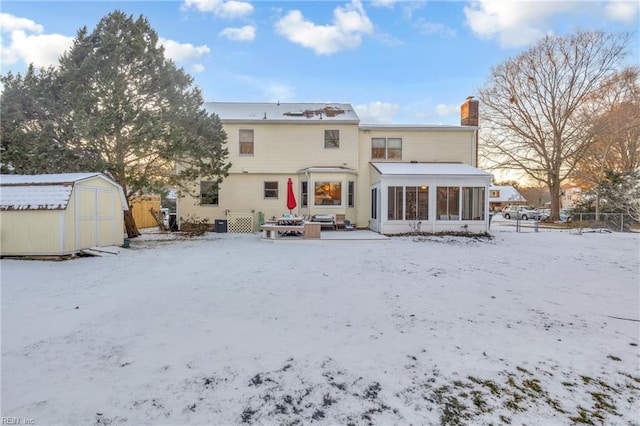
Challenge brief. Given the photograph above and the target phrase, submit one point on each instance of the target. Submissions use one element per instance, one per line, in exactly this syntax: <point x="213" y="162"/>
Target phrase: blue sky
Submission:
<point x="394" y="61"/>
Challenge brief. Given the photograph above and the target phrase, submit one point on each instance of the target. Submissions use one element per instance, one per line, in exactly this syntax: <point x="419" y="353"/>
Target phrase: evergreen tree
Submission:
<point x="116" y="105"/>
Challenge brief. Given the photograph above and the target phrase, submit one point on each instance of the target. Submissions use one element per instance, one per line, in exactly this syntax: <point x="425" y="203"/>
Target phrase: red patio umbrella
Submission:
<point x="291" y="198"/>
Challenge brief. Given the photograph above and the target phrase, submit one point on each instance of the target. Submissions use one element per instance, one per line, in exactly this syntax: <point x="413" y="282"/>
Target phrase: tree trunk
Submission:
<point x="130" y="224"/>
<point x="554" y="192"/>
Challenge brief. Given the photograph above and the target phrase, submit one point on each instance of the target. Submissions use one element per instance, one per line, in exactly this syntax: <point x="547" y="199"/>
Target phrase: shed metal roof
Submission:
<point x="282" y="112"/>
<point x="429" y="169"/>
<point x="44" y="192"/>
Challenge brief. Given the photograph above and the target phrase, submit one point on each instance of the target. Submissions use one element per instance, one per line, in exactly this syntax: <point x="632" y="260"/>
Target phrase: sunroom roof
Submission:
<point x="428" y="169"/>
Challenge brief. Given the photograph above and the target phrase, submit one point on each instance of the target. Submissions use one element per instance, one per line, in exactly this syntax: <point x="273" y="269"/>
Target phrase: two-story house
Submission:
<point x="388" y="178"/>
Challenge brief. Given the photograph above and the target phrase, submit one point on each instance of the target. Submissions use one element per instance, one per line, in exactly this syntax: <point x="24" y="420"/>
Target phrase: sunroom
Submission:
<point x="428" y="197"/>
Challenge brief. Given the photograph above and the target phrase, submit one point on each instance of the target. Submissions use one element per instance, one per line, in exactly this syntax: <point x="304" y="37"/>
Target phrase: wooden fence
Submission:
<point x="140" y="208"/>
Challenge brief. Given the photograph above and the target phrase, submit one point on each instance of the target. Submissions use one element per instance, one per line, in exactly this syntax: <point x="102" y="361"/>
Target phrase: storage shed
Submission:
<point x="59" y="214"/>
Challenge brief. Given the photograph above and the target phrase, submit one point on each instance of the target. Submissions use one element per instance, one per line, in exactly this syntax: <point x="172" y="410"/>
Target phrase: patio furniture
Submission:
<point x="340" y="218"/>
<point x="326" y="220"/>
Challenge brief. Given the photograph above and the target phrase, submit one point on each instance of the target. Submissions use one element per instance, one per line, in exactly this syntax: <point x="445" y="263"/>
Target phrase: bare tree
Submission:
<point x="614" y="132"/>
<point x="534" y="106"/>
<point x="536" y="195"/>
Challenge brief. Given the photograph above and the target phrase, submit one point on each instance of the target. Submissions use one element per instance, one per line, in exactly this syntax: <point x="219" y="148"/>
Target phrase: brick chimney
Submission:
<point x="469" y="116"/>
<point x="469" y="112"/>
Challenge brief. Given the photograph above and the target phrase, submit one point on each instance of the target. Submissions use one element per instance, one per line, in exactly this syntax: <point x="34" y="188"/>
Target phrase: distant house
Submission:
<point x="500" y="196"/>
<point x="59" y="214"/>
<point x="389" y="178"/>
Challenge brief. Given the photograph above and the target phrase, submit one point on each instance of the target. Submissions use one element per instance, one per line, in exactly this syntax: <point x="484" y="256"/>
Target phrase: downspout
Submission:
<point x="308" y="190"/>
<point x="475" y="141"/>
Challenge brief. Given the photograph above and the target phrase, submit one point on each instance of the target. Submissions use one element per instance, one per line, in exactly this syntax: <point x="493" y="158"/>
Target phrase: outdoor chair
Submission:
<point x="340" y="221"/>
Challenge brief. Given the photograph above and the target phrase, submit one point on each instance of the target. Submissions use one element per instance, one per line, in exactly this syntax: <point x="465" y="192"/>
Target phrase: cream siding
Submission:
<point x="286" y="148"/>
<point x="295" y="149"/>
<point x="425" y="146"/>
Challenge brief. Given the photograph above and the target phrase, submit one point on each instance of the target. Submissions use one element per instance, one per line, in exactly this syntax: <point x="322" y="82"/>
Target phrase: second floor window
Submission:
<point x="246" y="141"/>
<point x="386" y="148"/>
<point x="332" y="138"/>
<point x="271" y="190"/>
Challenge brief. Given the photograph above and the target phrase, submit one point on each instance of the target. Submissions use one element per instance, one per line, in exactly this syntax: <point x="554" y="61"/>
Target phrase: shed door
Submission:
<point x="95" y="217"/>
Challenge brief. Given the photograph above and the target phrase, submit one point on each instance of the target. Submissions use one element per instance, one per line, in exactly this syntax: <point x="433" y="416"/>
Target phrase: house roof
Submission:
<point x="44" y="192"/>
<point x="507" y="193"/>
<point x="337" y="169"/>
<point x="282" y="112"/>
<point x="428" y="169"/>
<point x="416" y="127"/>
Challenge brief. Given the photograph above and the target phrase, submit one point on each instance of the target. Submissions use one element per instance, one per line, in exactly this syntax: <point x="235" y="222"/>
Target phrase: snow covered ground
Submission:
<point x="537" y="328"/>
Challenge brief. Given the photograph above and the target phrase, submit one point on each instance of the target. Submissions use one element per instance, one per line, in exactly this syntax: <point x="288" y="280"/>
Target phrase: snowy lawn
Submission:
<point x="536" y="328"/>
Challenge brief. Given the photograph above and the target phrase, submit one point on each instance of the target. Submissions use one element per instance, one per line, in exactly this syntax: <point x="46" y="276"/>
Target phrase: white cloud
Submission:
<point x="41" y="50"/>
<point x="221" y="8"/>
<point x="426" y="27"/>
<point x="384" y="3"/>
<point x="246" y="33"/>
<point x="10" y="23"/>
<point x="198" y="68"/>
<point x="622" y="10"/>
<point x="349" y="24"/>
<point x="377" y="112"/>
<point x="272" y="91"/>
<point x="181" y="52"/>
<point x="445" y="110"/>
<point x="514" y="23"/>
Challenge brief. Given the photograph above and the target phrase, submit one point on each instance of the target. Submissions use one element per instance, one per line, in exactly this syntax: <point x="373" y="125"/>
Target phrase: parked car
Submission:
<point x="519" y="212"/>
<point x="565" y="215"/>
<point x="544" y="214"/>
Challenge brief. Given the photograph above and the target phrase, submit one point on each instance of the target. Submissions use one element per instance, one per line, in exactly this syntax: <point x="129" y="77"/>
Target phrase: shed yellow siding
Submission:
<point x="93" y="217"/>
<point x="22" y="231"/>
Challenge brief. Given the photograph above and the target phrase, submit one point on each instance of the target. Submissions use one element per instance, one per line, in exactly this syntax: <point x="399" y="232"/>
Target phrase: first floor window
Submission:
<point x="417" y="203"/>
<point x="328" y="194"/>
<point x="351" y="199"/>
<point x="271" y="190"/>
<point x="408" y="203"/>
<point x="304" y="189"/>
<point x="374" y="203"/>
<point x="208" y="193"/>
<point x="473" y="203"/>
<point x="394" y="203"/>
<point x="448" y="203"/>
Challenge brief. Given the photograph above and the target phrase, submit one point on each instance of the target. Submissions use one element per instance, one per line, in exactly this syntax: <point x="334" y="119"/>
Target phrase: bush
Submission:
<point x="195" y="226"/>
